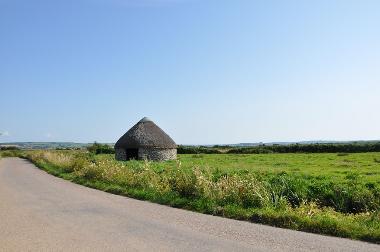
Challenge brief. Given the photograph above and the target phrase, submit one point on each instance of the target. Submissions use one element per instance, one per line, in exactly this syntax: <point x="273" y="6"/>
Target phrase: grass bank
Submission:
<point x="333" y="194"/>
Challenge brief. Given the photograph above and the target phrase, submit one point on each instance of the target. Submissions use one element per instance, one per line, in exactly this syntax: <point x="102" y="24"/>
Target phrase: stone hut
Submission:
<point x="145" y="140"/>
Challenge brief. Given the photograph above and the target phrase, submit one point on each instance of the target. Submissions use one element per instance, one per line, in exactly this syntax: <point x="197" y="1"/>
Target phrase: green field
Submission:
<point x="339" y="166"/>
<point x="335" y="194"/>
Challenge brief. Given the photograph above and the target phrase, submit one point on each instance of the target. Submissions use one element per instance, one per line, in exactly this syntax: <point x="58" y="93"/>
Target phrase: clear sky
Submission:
<point x="206" y="72"/>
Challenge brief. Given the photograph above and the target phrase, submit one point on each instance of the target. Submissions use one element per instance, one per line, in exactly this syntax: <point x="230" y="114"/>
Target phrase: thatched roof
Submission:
<point x="145" y="134"/>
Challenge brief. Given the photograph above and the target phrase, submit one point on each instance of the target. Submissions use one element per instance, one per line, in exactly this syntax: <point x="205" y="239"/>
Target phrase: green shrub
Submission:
<point x="97" y="148"/>
<point x="11" y="153"/>
<point x="197" y="150"/>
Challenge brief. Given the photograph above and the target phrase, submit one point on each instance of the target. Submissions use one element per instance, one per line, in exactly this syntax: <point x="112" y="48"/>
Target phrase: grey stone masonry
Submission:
<point x="120" y="154"/>
<point x="157" y="154"/>
<point x="154" y="154"/>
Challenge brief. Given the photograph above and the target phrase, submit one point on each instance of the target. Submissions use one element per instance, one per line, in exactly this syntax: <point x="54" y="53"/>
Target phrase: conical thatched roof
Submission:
<point x="145" y="134"/>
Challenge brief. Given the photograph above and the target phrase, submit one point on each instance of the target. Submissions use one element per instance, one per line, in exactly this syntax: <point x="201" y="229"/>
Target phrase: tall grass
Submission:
<point x="348" y="208"/>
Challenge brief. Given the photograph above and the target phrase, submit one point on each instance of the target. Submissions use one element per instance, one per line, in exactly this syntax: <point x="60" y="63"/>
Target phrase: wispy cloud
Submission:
<point x="4" y="133"/>
<point x="48" y="135"/>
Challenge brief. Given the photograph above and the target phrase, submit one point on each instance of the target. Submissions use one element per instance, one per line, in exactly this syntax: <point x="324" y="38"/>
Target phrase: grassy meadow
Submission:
<point x="329" y="193"/>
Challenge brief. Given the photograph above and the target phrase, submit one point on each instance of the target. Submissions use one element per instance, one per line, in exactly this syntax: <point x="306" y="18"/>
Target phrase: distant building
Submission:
<point x="145" y="140"/>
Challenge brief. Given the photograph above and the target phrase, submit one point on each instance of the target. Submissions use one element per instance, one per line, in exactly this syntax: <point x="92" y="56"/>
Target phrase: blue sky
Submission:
<point x="206" y="72"/>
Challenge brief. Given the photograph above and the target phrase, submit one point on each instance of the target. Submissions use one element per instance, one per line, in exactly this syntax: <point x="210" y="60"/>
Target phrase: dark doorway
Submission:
<point x="132" y="154"/>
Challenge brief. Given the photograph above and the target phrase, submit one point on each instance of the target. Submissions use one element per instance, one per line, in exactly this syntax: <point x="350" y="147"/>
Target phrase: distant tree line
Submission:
<point x="182" y="149"/>
<point x="353" y="147"/>
<point x="9" y="148"/>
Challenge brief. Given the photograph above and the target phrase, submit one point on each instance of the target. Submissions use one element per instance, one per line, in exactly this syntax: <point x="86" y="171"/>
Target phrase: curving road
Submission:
<point x="39" y="212"/>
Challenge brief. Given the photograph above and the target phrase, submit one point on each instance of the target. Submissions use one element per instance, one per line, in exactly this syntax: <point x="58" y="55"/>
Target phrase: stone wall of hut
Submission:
<point x="153" y="154"/>
<point x="156" y="154"/>
<point x="120" y="154"/>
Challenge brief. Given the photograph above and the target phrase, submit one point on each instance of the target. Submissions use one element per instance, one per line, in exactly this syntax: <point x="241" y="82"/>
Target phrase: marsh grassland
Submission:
<point x="327" y="193"/>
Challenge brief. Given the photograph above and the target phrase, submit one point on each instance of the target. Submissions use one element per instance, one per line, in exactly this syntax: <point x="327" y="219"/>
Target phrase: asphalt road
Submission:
<point x="39" y="212"/>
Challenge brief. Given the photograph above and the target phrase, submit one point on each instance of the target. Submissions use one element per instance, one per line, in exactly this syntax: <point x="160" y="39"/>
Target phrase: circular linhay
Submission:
<point x="145" y="134"/>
